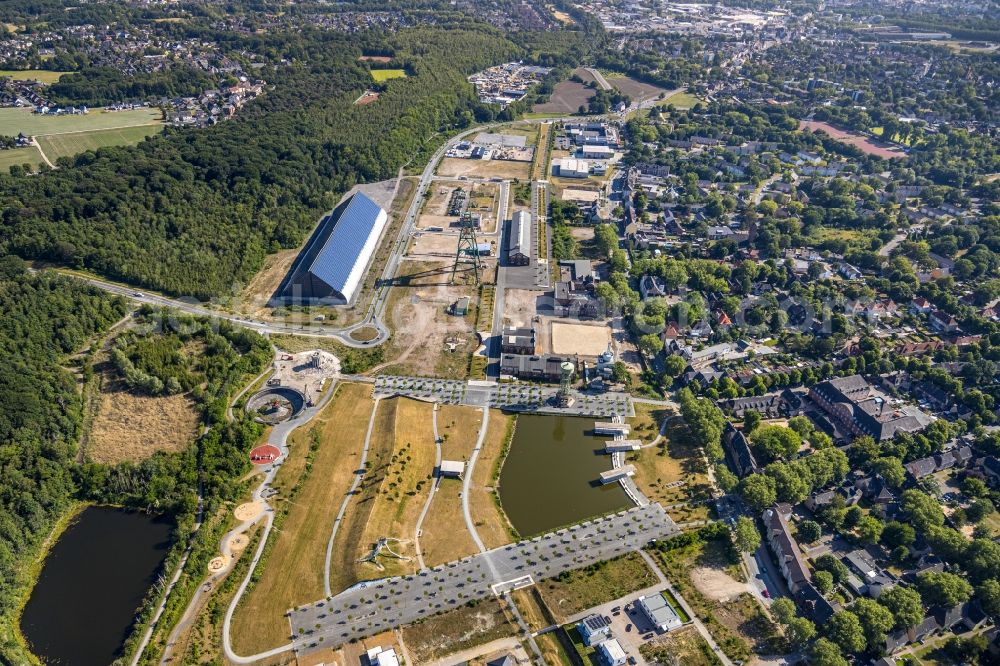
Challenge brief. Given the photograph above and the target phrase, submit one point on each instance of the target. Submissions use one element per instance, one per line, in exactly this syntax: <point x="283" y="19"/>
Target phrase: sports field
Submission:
<point x="386" y="74"/>
<point x="14" y="121"/>
<point x="74" y="143"/>
<point x="43" y="75"/>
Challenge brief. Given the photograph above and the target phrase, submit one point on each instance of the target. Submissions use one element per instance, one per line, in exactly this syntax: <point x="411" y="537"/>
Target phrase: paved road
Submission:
<point x="601" y="81"/>
<point x="380" y="605"/>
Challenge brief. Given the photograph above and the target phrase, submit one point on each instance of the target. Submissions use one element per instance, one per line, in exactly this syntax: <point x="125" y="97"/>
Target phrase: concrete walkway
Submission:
<point x="434" y="488"/>
<point x="358" y="476"/>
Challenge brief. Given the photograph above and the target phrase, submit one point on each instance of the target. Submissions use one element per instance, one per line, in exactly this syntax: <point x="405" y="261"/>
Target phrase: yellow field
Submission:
<point x="43" y="75"/>
<point x="386" y="74"/>
<point x="134" y="427"/>
<point x="491" y="523"/>
<point x="293" y="572"/>
<point x="445" y="537"/>
<point x="404" y="482"/>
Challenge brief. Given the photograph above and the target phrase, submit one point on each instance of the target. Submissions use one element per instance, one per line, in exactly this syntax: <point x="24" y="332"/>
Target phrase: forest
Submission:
<point x="45" y="317"/>
<point x="195" y="211"/>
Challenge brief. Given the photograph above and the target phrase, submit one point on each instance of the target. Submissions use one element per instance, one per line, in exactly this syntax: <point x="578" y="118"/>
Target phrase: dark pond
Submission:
<point x="551" y="475"/>
<point x="92" y="582"/>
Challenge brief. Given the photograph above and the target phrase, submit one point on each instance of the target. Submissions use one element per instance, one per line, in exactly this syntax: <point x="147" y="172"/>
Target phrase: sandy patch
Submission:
<point x="519" y="306"/>
<point x="238" y="542"/>
<point x="248" y="511"/>
<point x="582" y="339"/>
<point x="218" y="564"/>
<point x="715" y="584"/>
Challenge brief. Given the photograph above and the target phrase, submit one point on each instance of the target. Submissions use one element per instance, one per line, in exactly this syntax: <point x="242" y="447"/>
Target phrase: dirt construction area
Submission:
<point x="520" y="306"/>
<point x="454" y="166"/>
<point x="716" y="584"/>
<point x="306" y="372"/>
<point x="426" y="339"/>
<point x="431" y="244"/>
<point x="582" y="339"/>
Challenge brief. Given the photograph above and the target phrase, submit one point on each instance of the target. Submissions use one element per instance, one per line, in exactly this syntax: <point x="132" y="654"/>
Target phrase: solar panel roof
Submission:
<point x="341" y="251"/>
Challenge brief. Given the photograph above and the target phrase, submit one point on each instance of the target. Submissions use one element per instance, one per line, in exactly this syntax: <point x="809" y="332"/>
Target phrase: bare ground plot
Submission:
<point x="520" y="306"/>
<point x="567" y="97"/>
<point x="457" y="630"/>
<point x="582" y="234"/>
<point x="582" y="339"/>
<point x="129" y="427"/>
<point x="433" y="244"/>
<point x="404" y="482"/>
<point x="265" y="283"/>
<point x="454" y="166"/>
<point x="637" y="90"/>
<point x="715" y="584"/>
<point x="309" y="498"/>
<point x="490" y="521"/>
<point x="864" y="144"/>
<point x="426" y="339"/>
<point x="596" y="584"/>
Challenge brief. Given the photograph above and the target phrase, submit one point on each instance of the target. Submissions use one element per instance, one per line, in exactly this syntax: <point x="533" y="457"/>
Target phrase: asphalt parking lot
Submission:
<point x="375" y="606"/>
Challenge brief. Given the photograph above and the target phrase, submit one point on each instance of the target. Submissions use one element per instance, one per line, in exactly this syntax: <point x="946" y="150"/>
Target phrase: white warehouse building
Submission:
<point x="569" y="167"/>
<point x="333" y="263"/>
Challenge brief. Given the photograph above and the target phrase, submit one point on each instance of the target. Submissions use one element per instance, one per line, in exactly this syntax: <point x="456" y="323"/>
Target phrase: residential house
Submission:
<point x="594" y="629"/>
<point x="785" y="549"/>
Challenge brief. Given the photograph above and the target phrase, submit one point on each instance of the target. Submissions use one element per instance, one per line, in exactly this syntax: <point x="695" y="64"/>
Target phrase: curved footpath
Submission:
<point x="358" y="476"/>
<point x="279" y="438"/>
<point x="430" y="496"/>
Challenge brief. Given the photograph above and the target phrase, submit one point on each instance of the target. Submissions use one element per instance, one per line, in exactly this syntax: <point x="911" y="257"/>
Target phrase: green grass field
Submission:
<point x="385" y="74"/>
<point x="13" y="156"/>
<point x="67" y="145"/>
<point x="681" y="100"/>
<point x="14" y="121"/>
<point x="43" y="75"/>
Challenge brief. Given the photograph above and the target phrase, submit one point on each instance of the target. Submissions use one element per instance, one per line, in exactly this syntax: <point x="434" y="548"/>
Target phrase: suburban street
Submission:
<point x="377" y="606"/>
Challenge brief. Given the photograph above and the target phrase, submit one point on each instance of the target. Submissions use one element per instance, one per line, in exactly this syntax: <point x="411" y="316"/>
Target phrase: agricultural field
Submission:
<point x="578" y="590"/>
<point x="311" y="486"/>
<point x="19" y="157"/>
<point x="42" y="75"/>
<point x="566" y="98"/>
<point x="15" y="121"/>
<point x="73" y="143"/>
<point x="381" y="75"/>
<point x="637" y="90"/>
